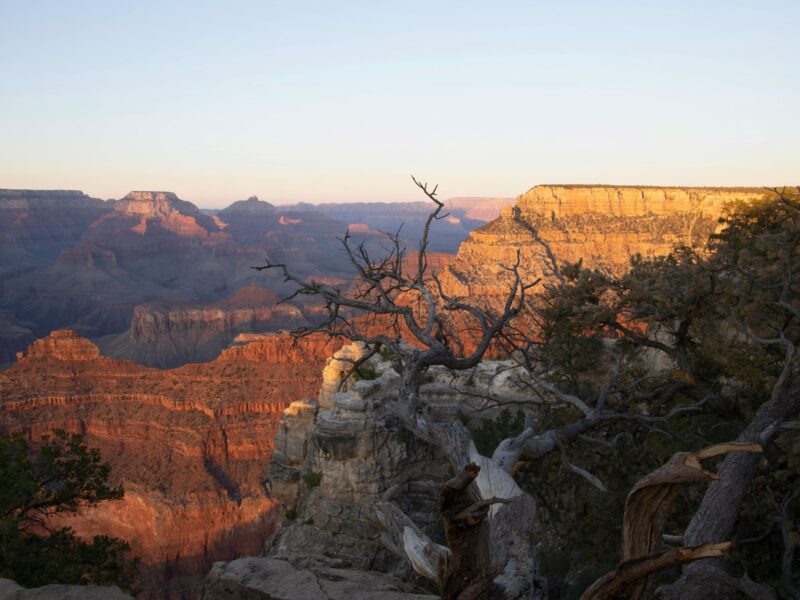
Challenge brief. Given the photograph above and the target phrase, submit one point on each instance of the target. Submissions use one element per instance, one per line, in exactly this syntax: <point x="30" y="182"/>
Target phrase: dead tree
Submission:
<point x="647" y="508"/>
<point x="489" y="520"/>
<point x="489" y="517"/>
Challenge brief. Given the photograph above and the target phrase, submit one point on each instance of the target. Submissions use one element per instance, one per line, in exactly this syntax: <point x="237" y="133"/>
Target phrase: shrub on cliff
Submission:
<point x="59" y="476"/>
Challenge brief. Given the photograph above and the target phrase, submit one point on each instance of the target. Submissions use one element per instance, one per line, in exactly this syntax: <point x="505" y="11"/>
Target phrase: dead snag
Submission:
<point x="463" y="513"/>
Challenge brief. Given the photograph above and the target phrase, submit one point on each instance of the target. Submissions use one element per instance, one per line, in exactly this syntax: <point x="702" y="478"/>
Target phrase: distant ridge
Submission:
<point x="720" y="188"/>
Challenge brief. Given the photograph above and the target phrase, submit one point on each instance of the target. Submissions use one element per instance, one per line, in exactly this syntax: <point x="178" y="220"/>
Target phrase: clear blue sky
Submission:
<point x="339" y="101"/>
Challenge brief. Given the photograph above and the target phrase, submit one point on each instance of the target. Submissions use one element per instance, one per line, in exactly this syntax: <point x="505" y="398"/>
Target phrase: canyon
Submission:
<point x="168" y="335"/>
<point x="152" y="279"/>
<point x="190" y="445"/>
<point x="130" y="272"/>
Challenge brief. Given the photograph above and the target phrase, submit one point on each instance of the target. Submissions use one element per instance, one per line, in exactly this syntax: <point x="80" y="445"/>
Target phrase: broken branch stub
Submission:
<point x="647" y="509"/>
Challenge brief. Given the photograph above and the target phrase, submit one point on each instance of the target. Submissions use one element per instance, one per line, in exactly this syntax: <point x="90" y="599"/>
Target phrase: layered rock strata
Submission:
<point x="336" y="456"/>
<point x="190" y="445"/>
<point x="71" y="261"/>
<point x="602" y="225"/>
<point x="168" y="335"/>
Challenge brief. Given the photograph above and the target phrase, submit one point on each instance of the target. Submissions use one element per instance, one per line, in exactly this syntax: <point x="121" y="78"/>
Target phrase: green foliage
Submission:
<point x="698" y="313"/>
<point x="491" y="432"/>
<point x="61" y="557"/>
<point x="61" y="476"/>
<point x="291" y="513"/>
<point x="312" y="479"/>
<point x="365" y="372"/>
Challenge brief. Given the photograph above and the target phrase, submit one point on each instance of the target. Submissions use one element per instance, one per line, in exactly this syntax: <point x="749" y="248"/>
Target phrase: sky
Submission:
<point x="342" y="101"/>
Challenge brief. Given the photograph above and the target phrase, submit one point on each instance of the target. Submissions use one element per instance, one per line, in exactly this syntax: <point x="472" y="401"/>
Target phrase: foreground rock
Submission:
<point x="11" y="591"/>
<point x="336" y="457"/>
<point x="271" y="579"/>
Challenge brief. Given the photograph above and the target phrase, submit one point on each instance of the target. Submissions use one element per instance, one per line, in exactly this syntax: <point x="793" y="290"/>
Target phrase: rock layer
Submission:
<point x="602" y="225"/>
<point x="190" y="445"/>
<point x="168" y="335"/>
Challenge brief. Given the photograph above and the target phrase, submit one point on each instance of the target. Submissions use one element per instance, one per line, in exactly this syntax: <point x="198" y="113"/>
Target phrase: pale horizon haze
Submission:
<point x="331" y="102"/>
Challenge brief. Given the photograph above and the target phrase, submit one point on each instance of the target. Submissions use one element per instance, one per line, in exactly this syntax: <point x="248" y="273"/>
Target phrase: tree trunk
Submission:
<point x="502" y="545"/>
<point x="714" y="520"/>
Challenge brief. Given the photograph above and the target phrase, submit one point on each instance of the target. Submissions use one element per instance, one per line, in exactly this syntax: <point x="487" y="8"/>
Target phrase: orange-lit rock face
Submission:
<point x="170" y="213"/>
<point x="603" y="225"/>
<point x="190" y="445"/>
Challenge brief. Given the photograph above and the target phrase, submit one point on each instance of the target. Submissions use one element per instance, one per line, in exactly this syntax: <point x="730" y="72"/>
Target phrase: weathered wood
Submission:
<point x="715" y="518"/>
<point x="403" y="537"/>
<point x="466" y="538"/>
<point x="616" y="584"/>
<point x="647" y="508"/>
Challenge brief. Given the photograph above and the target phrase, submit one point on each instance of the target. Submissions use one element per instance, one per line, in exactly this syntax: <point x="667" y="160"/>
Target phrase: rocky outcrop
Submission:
<point x="603" y="225"/>
<point x="190" y="445"/>
<point x="169" y="335"/>
<point x="61" y="346"/>
<point x="336" y="456"/>
<point x="9" y="590"/>
<point x="164" y="211"/>
<point x="269" y="579"/>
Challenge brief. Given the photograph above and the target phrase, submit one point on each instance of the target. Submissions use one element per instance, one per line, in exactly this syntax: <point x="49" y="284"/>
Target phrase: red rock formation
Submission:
<point x="190" y="445"/>
<point x="170" y="213"/>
